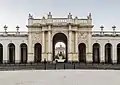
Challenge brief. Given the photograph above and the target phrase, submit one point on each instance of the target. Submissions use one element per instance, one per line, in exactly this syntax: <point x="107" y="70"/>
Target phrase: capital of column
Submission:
<point x="49" y="27"/>
<point x="42" y="30"/>
<point x="69" y="27"/>
<point x="76" y="32"/>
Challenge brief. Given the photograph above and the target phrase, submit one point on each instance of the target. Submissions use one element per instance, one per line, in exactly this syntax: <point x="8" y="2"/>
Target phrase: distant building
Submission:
<point x="59" y="50"/>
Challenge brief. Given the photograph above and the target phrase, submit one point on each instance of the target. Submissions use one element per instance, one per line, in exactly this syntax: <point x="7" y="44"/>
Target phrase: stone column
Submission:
<point x="49" y="44"/>
<point x="89" y="48"/>
<point x="102" y="53"/>
<point x="5" y="53"/>
<point x="76" y="45"/>
<point x="43" y="45"/>
<point x="114" y="53"/>
<point x="17" y="54"/>
<point x="69" y="45"/>
<point x="30" y="49"/>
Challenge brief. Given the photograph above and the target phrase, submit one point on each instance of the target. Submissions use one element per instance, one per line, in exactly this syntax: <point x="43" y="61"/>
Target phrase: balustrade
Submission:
<point x="56" y="21"/>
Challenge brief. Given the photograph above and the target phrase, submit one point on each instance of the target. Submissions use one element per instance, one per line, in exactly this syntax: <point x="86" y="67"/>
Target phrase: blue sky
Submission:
<point x="15" y="12"/>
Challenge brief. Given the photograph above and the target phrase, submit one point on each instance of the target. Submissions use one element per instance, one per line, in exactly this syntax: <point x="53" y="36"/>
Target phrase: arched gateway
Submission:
<point x="71" y="31"/>
<point x="60" y="37"/>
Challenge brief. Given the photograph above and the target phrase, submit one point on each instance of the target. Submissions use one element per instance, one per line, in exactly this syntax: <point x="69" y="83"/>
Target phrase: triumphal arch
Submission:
<point x="75" y="33"/>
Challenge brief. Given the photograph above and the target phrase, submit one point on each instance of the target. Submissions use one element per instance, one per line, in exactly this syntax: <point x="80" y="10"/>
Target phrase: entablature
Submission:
<point x="13" y="34"/>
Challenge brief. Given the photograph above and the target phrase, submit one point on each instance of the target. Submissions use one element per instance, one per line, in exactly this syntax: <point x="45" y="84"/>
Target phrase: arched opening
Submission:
<point x="60" y="51"/>
<point x="108" y="53"/>
<point x="60" y="38"/>
<point x="23" y="49"/>
<point x="37" y="52"/>
<point x="82" y="52"/>
<point x="11" y="47"/>
<point x="1" y="53"/>
<point x="118" y="53"/>
<point x="96" y="53"/>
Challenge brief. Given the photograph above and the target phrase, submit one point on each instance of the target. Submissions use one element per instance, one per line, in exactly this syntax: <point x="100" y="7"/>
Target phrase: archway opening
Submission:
<point x="60" y="44"/>
<point x="82" y="52"/>
<point x="118" y="53"/>
<point x="1" y="53"/>
<point x="108" y="53"/>
<point x="11" y="47"/>
<point x="96" y="53"/>
<point x="60" y="51"/>
<point x="37" y="52"/>
<point x="23" y="49"/>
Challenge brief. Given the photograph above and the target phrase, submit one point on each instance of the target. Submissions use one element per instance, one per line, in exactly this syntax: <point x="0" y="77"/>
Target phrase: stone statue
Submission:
<point x="30" y="16"/>
<point x="69" y="16"/>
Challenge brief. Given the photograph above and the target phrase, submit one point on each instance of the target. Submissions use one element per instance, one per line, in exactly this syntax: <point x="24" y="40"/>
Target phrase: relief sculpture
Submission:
<point x="36" y="38"/>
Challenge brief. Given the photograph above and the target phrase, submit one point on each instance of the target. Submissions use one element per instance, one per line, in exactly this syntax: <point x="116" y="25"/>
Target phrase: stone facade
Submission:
<point x="74" y="32"/>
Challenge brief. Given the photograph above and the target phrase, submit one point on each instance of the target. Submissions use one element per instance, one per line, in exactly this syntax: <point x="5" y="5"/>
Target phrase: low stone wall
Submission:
<point x="58" y="66"/>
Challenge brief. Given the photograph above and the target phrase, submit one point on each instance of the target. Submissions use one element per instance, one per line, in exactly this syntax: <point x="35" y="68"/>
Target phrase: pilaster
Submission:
<point x="30" y="49"/>
<point x="102" y="53"/>
<point x="69" y="44"/>
<point x="114" y="53"/>
<point x="17" y="54"/>
<point x="75" y="55"/>
<point x="5" y="53"/>
<point x="89" y="48"/>
<point x="49" y="44"/>
<point x="43" y="45"/>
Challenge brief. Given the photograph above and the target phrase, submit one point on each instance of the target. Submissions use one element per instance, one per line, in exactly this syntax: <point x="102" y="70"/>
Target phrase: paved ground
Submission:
<point x="60" y="77"/>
